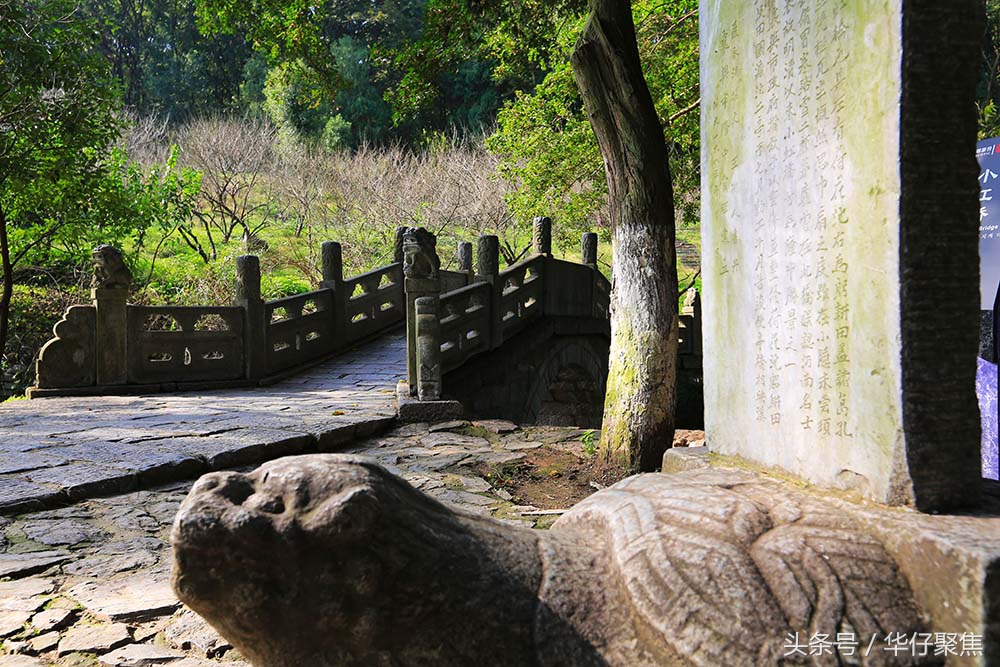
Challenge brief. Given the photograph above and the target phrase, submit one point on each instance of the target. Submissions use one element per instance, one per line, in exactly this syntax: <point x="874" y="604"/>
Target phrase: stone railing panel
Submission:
<point x="374" y="302"/>
<point x="466" y="325"/>
<point x="521" y="295"/>
<point x="300" y="328"/>
<point x="569" y="289"/>
<point x="68" y="359"/>
<point x="453" y="280"/>
<point x="184" y="344"/>
<point x="602" y="296"/>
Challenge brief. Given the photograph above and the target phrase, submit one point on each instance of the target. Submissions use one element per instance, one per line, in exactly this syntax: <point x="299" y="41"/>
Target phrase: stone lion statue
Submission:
<point x="110" y="271"/>
<point x="328" y="560"/>
<point x="420" y="259"/>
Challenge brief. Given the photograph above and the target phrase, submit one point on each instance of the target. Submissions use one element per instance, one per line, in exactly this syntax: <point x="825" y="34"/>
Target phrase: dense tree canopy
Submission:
<point x="63" y="187"/>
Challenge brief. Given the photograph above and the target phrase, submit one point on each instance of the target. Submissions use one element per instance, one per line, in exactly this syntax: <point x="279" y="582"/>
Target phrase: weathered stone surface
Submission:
<point x="188" y="631"/>
<point x="706" y="568"/>
<point x="62" y="532"/>
<point x="131" y="599"/>
<point x="12" y="621"/>
<point x="827" y="302"/>
<point x="24" y="594"/>
<point x="19" y="661"/>
<point x="496" y="425"/>
<point x="20" y="565"/>
<point x="140" y="655"/>
<point x="94" y="638"/>
<point x="20" y="495"/>
<point x="68" y="359"/>
<point x="466" y="441"/>
<point x="55" y="450"/>
<point x="81" y="480"/>
<point x="447" y="426"/>
<point x="685" y="458"/>
<point x="521" y="446"/>
<point x="44" y="642"/>
<point x="52" y="619"/>
<point x="197" y="662"/>
<point x="410" y="410"/>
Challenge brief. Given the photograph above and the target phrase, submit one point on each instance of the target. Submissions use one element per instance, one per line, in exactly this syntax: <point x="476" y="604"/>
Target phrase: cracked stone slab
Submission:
<point x="79" y="480"/>
<point x="188" y="631"/>
<point x="44" y="642"/>
<point x="20" y="565"/>
<point x="446" y="438"/>
<point x="52" y="619"/>
<point x="19" y="661"/>
<point x="140" y="655"/>
<point x="521" y="446"/>
<point x="12" y="621"/>
<point x="64" y="532"/>
<point x="25" y="461"/>
<point x="496" y="425"/>
<point x="20" y="495"/>
<point x="94" y="638"/>
<point x="448" y="426"/>
<point x="130" y="599"/>
<point x="24" y="594"/>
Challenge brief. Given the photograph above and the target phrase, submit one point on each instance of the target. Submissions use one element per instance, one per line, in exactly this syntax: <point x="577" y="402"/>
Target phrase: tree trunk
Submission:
<point x="7" y="291"/>
<point x="639" y="406"/>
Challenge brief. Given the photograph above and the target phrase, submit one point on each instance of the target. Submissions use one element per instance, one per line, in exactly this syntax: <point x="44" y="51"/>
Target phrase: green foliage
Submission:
<point x="515" y="38"/>
<point x="545" y="141"/>
<point x="63" y="188"/>
<point x="294" y="101"/>
<point x="35" y="310"/>
<point x="336" y="133"/>
<point x="162" y="62"/>
<point x="589" y="440"/>
<point x="58" y="188"/>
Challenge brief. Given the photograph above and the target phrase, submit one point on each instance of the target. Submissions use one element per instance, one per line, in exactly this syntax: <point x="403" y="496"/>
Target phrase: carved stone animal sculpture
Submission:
<point x="328" y="559"/>
<point x="420" y="259"/>
<point x="110" y="271"/>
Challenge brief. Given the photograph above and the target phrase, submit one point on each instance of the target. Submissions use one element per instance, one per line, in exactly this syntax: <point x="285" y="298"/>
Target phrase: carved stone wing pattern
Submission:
<point x="723" y="567"/>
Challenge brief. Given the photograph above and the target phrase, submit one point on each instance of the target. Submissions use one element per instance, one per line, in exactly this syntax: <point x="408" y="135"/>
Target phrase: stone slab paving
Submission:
<point x="54" y="451"/>
<point x="88" y="585"/>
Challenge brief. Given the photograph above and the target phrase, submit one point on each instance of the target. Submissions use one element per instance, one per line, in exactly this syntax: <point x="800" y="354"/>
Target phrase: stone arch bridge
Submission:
<point x="135" y="394"/>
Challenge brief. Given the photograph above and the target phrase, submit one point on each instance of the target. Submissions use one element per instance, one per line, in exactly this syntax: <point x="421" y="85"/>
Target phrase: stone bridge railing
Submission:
<point x="445" y="328"/>
<point x="455" y="321"/>
<point x="112" y="346"/>
<point x="452" y="319"/>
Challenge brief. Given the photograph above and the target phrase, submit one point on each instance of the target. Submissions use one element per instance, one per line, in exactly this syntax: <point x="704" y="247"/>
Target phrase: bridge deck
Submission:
<point x="57" y="450"/>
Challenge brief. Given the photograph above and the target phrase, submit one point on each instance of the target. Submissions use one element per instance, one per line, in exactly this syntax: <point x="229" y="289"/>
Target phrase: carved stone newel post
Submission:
<point x="465" y="258"/>
<point x="541" y="237"/>
<point x="109" y="289"/>
<point x="255" y="332"/>
<point x="422" y="284"/>
<point x="588" y="247"/>
<point x="332" y="257"/>
<point x="488" y="257"/>
<point x="428" y="348"/>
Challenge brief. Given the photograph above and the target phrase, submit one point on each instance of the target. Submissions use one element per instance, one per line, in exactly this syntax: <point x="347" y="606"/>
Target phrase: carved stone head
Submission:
<point x="110" y="271"/>
<point x="420" y="258"/>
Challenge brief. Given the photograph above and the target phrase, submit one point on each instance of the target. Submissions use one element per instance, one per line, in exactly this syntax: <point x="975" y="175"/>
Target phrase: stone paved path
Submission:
<point x="88" y="585"/>
<point x="59" y="450"/>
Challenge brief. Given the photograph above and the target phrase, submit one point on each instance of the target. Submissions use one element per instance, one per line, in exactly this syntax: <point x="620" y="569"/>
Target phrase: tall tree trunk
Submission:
<point x="641" y="397"/>
<point x="7" y="291"/>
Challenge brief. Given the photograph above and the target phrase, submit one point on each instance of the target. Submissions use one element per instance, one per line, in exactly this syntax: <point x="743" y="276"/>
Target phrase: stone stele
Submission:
<point x="328" y="559"/>
<point x="840" y="242"/>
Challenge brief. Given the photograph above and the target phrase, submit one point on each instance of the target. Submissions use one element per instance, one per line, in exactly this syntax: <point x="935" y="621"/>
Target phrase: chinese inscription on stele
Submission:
<point x="800" y="232"/>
